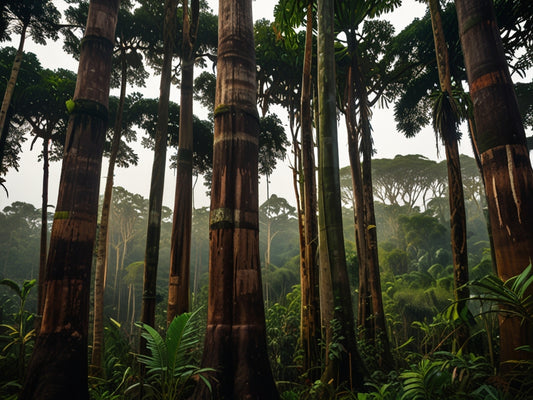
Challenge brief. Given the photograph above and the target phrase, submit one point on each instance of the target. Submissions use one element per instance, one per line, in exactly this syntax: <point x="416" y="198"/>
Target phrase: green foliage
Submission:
<point x="283" y="333"/>
<point x="169" y="373"/>
<point x="512" y="296"/>
<point x="16" y="338"/>
<point x="117" y="370"/>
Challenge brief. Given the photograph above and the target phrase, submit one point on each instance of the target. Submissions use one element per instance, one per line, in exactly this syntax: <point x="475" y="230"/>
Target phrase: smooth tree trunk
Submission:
<point x="155" y="201"/>
<point x="180" y="247"/>
<point x="310" y="329"/>
<point x="455" y="181"/>
<point x="101" y="249"/>
<point x="344" y="365"/>
<point x="10" y="88"/>
<point x="44" y="228"/>
<point x="370" y="303"/>
<point x="504" y="157"/>
<point x="58" y="366"/>
<point x="235" y="341"/>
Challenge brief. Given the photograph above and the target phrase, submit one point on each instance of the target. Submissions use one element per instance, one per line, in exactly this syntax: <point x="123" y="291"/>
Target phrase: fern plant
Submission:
<point x="169" y="372"/>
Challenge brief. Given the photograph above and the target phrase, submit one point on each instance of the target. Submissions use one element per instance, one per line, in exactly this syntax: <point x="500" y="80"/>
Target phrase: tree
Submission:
<point x="344" y="366"/>
<point x="40" y="18"/>
<point x="504" y="157"/>
<point x="42" y="107"/>
<point x="158" y="173"/>
<point x="362" y="57"/>
<point x="180" y="246"/>
<point x="235" y="342"/>
<point x="58" y="367"/>
<point x="447" y="113"/>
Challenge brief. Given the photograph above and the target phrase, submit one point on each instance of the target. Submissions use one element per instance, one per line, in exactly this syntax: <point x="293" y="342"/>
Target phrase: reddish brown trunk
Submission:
<point x="58" y="367"/>
<point x="504" y="157"/>
<point x="101" y="257"/>
<point x="235" y="343"/>
<point x="180" y="253"/>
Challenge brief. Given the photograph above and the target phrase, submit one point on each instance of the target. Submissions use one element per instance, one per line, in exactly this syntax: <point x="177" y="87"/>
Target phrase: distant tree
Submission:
<point x="272" y="210"/>
<point x="19" y="231"/>
<point x="14" y="133"/>
<point x="39" y="19"/>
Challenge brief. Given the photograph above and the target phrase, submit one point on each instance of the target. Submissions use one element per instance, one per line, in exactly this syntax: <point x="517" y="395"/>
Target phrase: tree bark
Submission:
<point x="455" y="182"/>
<point x="310" y="330"/>
<point x="235" y="342"/>
<point x="504" y="157"/>
<point x="58" y="366"/>
<point x="101" y="257"/>
<point x="344" y="365"/>
<point x="10" y="88"/>
<point x="44" y="228"/>
<point x="155" y="201"/>
<point x="180" y="252"/>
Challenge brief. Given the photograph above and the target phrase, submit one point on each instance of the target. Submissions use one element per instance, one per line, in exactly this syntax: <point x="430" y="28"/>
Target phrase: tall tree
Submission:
<point x="235" y="342"/>
<point x="158" y="172"/>
<point x="180" y="246"/>
<point x="504" y="156"/>
<point x="345" y="366"/>
<point x="446" y="116"/>
<point x="350" y="16"/>
<point x="131" y="69"/>
<point x="58" y="367"/>
<point x="40" y="18"/>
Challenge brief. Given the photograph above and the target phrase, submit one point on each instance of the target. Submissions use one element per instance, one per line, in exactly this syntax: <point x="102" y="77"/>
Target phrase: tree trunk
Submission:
<point x="180" y="252"/>
<point x="153" y="233"/>
<point x="235" y="342"/>
<point x="44" y="228"/>
<point x="101" y="258"/>
<point x="344" y="365"/>
<point x="58" y="367"/>
<point x="371" y="303"/>
<point x="455" y="182"/>
<point x="310" y="329"/>
<point x="10" y="88"/>
<point x="504" y="157"/>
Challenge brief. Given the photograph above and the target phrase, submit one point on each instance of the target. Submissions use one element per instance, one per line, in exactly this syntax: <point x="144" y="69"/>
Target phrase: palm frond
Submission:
<point x="158" y="357"/>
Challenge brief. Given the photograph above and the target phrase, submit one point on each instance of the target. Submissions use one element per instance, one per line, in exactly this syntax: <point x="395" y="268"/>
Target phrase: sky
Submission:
<point x="26" y="184"/>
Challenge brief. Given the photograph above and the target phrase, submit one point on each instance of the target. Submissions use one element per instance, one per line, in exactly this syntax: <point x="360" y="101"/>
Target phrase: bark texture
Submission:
<point x="10" y="88"/>
<point x="344" y="365"/>
<point x="235" y="342"/>
<point x="455" y="181"/>
<point x="102" y="247"/>
<point x="157" y="182"/>
<point x="180" y="252"/>
<point x="504" y="157"/>
<point x="310" y="314"/>
<point x="58" y="366"/>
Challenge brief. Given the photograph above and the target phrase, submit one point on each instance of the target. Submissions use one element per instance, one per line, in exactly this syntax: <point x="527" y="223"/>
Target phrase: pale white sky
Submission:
<point x="25" y="185"/>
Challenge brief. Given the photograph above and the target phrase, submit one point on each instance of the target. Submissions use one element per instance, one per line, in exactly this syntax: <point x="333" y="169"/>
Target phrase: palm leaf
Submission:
<point x="181" y="338"/>
<point x="512" y="295"/>
<point x="158" y="359"/>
